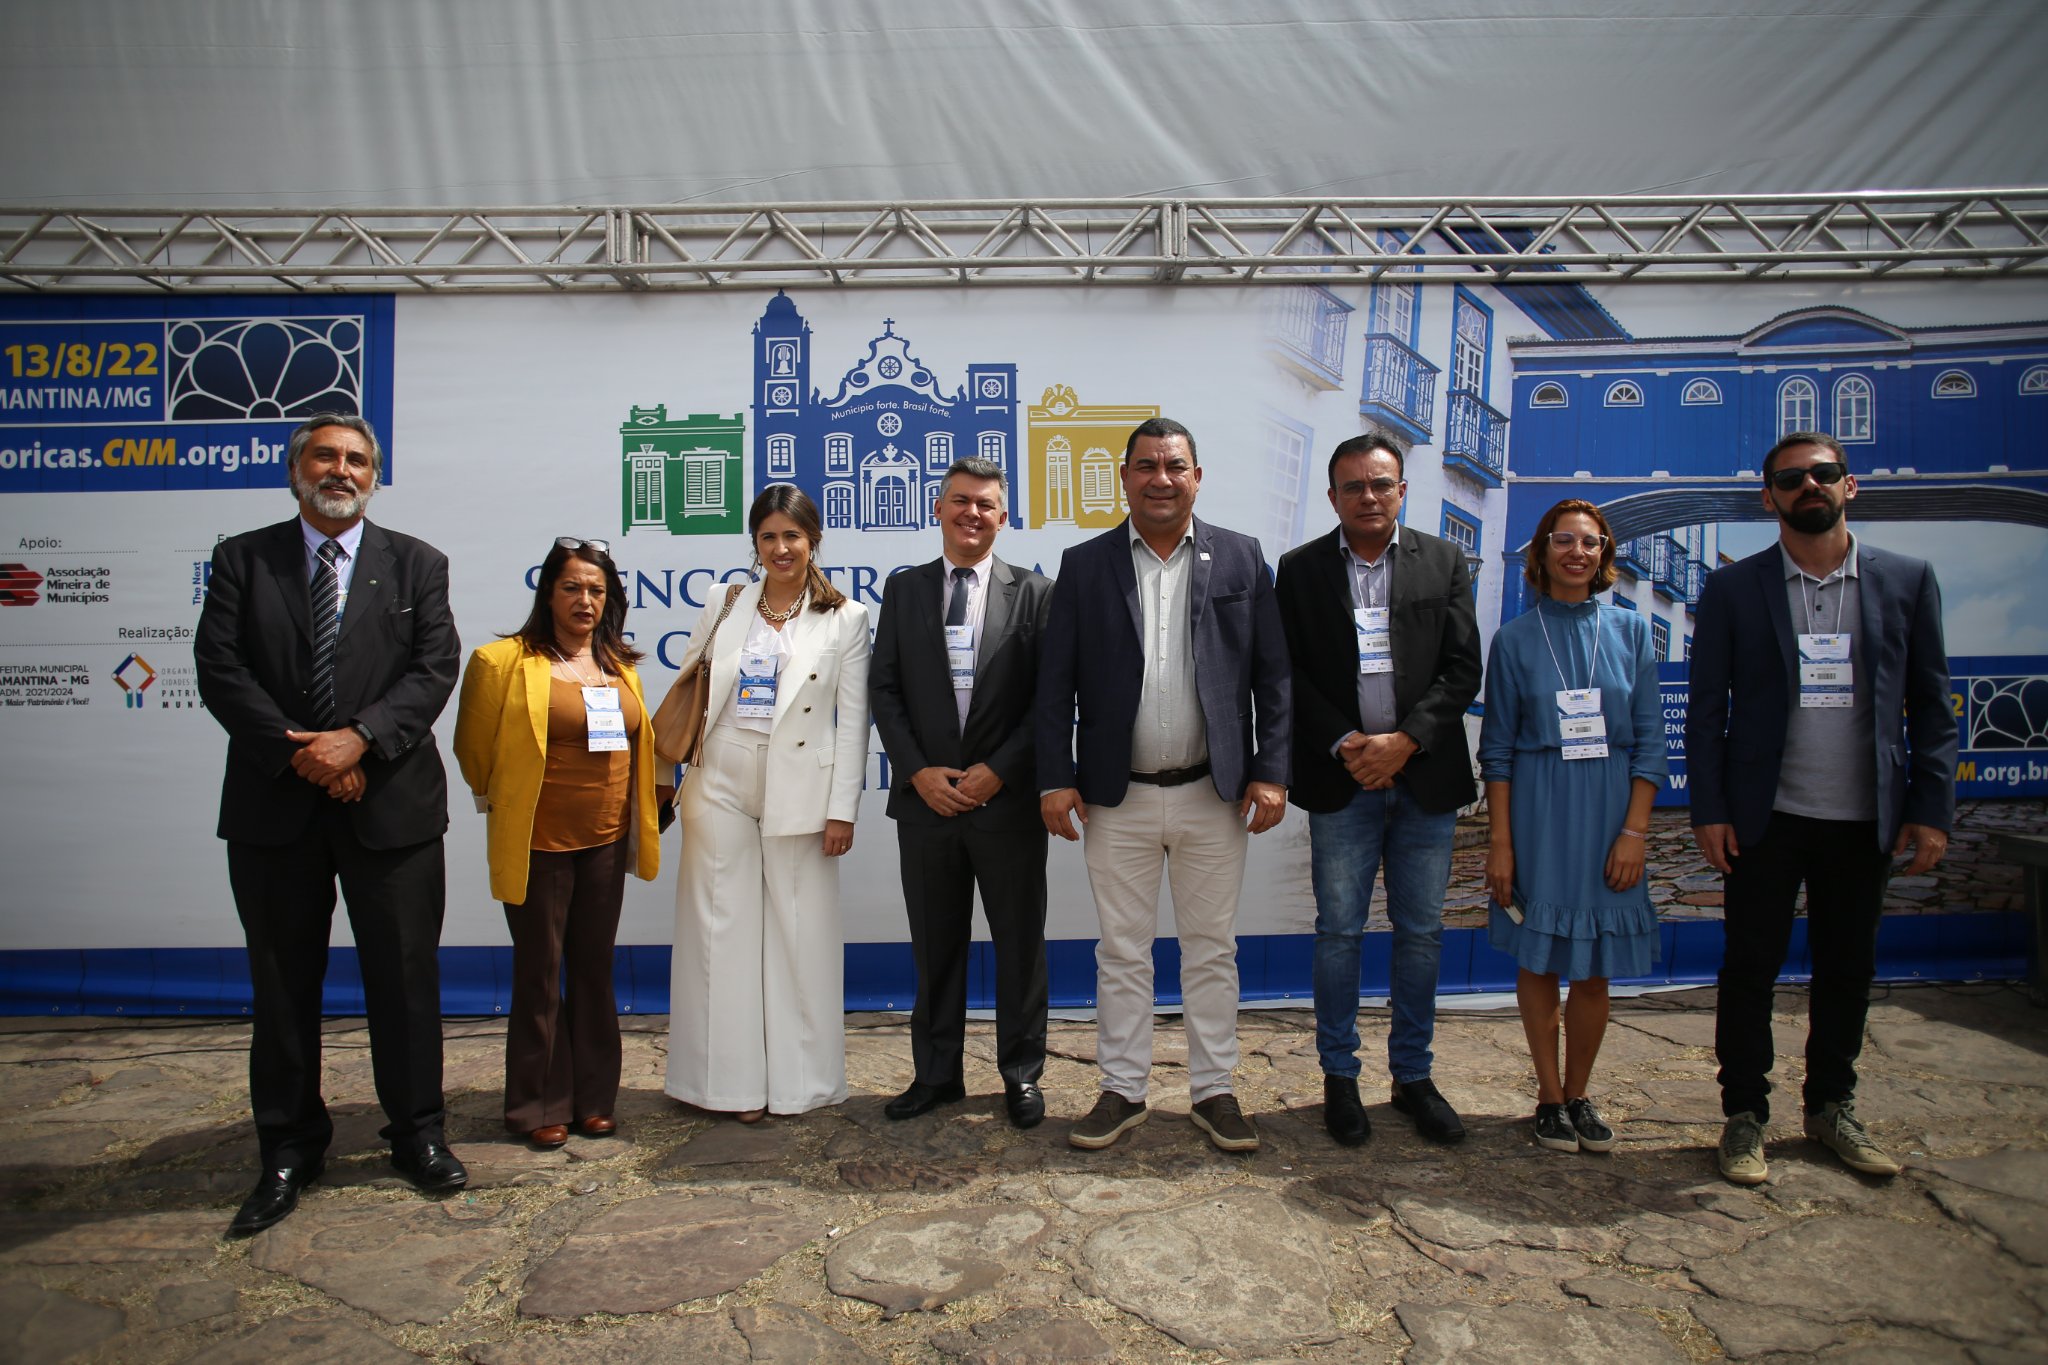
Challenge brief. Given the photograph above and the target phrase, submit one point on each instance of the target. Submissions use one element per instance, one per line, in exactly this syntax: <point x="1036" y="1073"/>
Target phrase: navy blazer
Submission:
<point x="1093" y="663"/>
<point x="395" y="665"/>
<point x="910" y="690"/>
<point x="1745" y="682"/>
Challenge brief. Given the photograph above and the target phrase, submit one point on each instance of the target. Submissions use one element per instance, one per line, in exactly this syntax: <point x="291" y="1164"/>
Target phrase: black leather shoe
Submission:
<point x="1433" y="1115"/>
<point x="1026" y="1103"/>
<point x="922" y="1099"/>
<point x="430" y="1166"/>
<point x="1343" y="1113"/>
<point x="276" y="1195"/>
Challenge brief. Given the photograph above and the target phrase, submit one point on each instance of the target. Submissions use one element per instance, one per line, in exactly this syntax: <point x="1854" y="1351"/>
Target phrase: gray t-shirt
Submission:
<point x="1829" y="768"/>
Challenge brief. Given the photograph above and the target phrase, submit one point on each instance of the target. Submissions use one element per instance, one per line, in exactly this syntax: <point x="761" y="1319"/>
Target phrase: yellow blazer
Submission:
<point x="501" y="744"/>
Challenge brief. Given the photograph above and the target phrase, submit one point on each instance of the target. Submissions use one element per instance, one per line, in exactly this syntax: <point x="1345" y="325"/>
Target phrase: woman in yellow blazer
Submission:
<point x="556" y="742"/>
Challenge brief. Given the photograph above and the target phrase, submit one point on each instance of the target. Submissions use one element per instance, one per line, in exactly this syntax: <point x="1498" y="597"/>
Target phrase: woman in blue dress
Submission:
<point x="1572" y="753"/>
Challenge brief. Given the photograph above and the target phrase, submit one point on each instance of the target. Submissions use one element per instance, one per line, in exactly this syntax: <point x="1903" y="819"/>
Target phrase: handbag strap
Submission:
<point x="732" y="595"/>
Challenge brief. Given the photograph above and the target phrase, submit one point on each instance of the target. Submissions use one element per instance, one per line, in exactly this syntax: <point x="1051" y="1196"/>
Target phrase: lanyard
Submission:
<point x="1593" y="673"/>
<point x="1806" y="599"/>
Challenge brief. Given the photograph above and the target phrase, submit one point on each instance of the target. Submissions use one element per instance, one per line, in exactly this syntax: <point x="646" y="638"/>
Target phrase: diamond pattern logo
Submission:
<point x="133" y="676"/>
<point x="19" y="585"/>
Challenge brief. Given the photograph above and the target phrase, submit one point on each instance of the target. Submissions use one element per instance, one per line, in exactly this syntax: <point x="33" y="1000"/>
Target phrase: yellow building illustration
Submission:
<point x="1073" y="453"/>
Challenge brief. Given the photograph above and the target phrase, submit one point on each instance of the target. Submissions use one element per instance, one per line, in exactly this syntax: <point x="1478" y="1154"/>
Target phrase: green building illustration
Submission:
<point x="684" y="475"/>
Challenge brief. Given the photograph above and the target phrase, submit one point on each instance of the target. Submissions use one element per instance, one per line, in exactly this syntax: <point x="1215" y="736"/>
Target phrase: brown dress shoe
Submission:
<point x="598" y="1125"/>
<point x="554" y="1135"/>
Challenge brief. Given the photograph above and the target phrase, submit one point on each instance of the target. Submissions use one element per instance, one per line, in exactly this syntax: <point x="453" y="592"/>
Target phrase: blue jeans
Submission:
<point x="1346" y="849"/>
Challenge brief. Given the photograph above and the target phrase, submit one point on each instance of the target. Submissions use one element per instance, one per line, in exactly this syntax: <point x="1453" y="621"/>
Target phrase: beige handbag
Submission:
<point x="685" y="713"/>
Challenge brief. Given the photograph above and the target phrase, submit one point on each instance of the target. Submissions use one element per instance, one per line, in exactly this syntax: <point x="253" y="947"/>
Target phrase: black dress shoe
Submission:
<point x="1343" y="1112"/>
<point x="430" y="1166"/>
<point x="276" y="1194"/>
<point x="1026" y="1103"/>
<point x="1433" y="1115"/>
<point x="922" y="1099"/>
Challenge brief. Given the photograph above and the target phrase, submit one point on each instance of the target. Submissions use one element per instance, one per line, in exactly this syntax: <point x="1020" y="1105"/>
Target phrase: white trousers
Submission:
<point x="1200" y="840"/>
<point x="757" y="984"/>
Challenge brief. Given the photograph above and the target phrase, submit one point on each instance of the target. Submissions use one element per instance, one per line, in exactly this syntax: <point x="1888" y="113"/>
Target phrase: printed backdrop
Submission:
<point x="136" y="432"/>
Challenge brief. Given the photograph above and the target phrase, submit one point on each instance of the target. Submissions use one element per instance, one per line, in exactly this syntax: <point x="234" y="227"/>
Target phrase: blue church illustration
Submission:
<point x="874" y="453"/>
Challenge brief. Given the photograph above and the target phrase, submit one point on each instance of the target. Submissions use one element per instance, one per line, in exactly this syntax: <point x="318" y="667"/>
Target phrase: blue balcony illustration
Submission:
<point x="1400" y="387"/>
<point x="1305" y="329"/>
<point x="1475" y="438"/>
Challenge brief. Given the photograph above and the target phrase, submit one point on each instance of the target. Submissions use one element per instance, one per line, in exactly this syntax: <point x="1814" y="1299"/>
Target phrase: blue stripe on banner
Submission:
<point x="880" y="976"/>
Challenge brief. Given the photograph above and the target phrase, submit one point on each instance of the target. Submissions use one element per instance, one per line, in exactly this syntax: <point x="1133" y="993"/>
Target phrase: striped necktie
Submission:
<point x="326" y="631"/>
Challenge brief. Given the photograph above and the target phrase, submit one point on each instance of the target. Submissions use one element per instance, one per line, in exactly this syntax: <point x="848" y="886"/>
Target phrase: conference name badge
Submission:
<point x="960" y="656"/>
<point x="756" y="699"/>
<point x="1375" y="639"/>
<point x="1827" y="678"/>
<point x="1580" y="723"/>
<point x="602" y="719"/>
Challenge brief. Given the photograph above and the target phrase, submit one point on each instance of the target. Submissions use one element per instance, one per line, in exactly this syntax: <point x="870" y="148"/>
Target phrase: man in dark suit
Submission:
<point x="325" y="650"/>
<point x="951" y="682"/>
<point x="1819" y="745"/>
<point x="1164" y="636"/>
<point x="1385" y="645"/>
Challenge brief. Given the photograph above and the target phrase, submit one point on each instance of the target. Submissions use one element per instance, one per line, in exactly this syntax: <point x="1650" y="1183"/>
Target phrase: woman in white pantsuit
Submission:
<point x="756" y="985"/>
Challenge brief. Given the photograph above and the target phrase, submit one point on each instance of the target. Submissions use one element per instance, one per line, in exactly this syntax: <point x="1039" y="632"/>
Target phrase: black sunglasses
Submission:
<point x="1824" y="473"/>
<point x="603" y="547"/>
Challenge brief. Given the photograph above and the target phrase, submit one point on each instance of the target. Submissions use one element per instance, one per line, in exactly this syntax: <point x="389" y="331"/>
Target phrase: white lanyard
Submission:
<point x="1593" y="673"/>
<point x="604" y="724"/>
<point x="1581" y="726"/>
<point x="1827" y="673"/>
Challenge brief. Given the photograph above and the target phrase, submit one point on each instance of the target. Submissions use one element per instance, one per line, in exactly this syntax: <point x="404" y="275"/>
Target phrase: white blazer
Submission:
<point x="818" y="741"/>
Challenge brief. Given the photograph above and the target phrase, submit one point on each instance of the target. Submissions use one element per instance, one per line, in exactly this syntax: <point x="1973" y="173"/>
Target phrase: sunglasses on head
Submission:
<point x="1824" y="472"/>
<point x="603" y="547"/>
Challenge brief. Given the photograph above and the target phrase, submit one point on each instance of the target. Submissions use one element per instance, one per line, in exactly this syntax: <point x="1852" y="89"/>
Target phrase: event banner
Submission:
<point x="136" y="432"/>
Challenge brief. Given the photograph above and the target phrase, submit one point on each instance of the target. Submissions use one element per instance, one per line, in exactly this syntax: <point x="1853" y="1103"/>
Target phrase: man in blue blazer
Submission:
<point x="1820" y="744"/>
<point x="1164" y="637"/>
<point x="326" y="649"/>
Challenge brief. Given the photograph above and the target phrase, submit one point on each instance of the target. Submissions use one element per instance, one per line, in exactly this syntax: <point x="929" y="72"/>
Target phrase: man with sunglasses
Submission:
<point x="1385" y="649"/>
<point x="326" y="649"/>
<point x="1820" y="745"/>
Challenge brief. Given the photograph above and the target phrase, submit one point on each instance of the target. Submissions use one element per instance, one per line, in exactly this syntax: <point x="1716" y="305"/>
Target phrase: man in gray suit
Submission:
<point x="1820" y="744"/>
<point x="1165" y="639"/>
<point x="955" y="667"/>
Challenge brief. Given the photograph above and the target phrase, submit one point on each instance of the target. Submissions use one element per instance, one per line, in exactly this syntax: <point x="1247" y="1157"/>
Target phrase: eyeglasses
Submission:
<point x="1564" y="540"/>
<point x="1380" y="488"/>
<point x="603" y="547"/>
<point x="1824" y="473"/>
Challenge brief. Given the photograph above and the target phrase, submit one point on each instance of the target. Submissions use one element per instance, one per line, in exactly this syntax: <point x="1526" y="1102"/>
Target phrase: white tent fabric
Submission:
<point x="392" y="102"/>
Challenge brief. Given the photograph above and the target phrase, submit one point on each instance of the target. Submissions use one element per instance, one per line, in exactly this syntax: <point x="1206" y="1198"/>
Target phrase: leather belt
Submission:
<point x="1174" y="777"/>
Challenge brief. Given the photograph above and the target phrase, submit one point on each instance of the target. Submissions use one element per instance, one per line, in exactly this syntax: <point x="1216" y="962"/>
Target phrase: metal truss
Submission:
<point x="1953" y="234"/>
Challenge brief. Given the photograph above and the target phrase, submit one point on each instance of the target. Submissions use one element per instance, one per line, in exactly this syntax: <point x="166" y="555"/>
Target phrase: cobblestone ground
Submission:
<point x="840" y="1236"/>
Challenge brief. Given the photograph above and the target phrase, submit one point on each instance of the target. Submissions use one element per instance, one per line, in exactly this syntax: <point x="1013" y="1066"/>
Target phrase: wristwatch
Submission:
<point x="364" y="730"/>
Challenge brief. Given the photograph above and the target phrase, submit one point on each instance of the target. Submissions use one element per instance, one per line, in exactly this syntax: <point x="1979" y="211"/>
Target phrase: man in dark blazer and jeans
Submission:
<point x="1385" y="644"/>
<point x="951" y="683"/>
<point x="1165" y="640"/>
<point x="1819" y="745"/>
<point x="325" y="650"/>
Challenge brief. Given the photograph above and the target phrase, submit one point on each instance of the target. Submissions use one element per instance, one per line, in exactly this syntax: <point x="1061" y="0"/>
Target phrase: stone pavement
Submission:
<point x="843" y="1237"/>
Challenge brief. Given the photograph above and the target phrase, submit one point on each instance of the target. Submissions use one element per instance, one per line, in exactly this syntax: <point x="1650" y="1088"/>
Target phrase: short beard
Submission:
<point x="332" y="504"/>
<point x="1813" y="521"/>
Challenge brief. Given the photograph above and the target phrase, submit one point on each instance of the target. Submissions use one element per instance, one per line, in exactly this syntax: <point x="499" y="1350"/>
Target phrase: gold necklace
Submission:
<point x="780" y="617"/>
